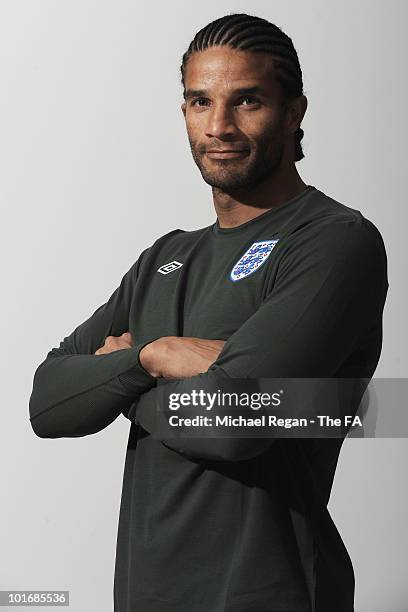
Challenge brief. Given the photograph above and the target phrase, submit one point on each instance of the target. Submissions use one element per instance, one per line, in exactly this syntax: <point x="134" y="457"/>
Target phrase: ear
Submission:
<point x="303" y="107"/>
<point x="295" y="112"/>
<point x="183" y="108"/>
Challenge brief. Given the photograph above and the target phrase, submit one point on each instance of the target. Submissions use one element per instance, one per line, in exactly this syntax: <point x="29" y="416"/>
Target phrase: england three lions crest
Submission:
<point x="252" y="259"/>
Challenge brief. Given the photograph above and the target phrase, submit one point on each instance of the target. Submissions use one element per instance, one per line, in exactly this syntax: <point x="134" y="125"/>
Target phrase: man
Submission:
<point x="287" y="282"/>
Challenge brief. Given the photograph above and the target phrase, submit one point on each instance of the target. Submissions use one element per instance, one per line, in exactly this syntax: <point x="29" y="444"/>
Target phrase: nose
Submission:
<point x="220" y="123"/>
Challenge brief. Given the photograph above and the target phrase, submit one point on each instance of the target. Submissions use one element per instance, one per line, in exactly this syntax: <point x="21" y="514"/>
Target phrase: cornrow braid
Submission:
<point x="251" y="33"/>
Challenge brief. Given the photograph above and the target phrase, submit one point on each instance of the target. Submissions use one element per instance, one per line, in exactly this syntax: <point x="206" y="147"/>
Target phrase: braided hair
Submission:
<point x="251" y="33"/>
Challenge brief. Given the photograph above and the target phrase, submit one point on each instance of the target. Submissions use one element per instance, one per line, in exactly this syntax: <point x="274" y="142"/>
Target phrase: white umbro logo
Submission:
<point x="169" y="267"/>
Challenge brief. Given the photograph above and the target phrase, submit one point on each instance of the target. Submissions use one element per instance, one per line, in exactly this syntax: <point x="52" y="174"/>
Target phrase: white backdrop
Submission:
<point x="95" y="165"/>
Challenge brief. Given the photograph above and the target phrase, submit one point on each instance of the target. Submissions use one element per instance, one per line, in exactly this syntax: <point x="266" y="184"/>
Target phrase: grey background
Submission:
<point x="95" y="165"/>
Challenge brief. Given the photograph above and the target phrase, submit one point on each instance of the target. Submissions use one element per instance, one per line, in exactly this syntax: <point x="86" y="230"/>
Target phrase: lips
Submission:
<point x="226" y="153"/>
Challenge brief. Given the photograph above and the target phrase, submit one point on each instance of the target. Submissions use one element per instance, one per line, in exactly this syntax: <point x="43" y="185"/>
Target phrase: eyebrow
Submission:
<point x="193" y="93"/>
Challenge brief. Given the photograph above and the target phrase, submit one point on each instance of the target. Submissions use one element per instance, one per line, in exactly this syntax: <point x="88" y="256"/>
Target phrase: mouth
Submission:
<point x="227" y="154"/>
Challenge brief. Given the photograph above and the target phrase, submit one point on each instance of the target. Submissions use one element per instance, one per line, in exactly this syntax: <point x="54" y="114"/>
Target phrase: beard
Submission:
<point x="228" y="175"/>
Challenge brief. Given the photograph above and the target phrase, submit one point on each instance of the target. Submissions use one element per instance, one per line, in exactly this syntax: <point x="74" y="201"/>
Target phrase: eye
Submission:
<point x="193" y="102"/>
<point x="251" y="99"/>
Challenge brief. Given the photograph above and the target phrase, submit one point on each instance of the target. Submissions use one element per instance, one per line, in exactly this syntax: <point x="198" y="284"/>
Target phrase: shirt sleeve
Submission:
<point x="329" y="291"/>
<point x="76" y="393"/>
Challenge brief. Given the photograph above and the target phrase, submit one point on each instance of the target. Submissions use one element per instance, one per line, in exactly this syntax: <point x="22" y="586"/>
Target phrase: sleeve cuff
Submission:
<point x="136" y="379"/>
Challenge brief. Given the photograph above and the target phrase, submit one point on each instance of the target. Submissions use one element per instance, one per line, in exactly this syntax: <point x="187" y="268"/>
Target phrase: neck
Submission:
<point x="236" y="207"/>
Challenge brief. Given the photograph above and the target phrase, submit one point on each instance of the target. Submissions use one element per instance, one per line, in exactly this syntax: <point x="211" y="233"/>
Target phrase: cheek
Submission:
<point x="194" y="132"/>
<point x="195" y="122"/>
<point x="269" y="137"/>
<point x="250" y="129"/>
<point x="258" y="124"/>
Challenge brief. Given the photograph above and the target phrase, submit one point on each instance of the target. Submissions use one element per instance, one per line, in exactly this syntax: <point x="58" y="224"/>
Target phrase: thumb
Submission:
<point x="127" y="336"/>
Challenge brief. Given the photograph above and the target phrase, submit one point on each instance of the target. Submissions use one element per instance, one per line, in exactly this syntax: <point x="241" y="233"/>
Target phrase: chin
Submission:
<point x="225" y="185"/>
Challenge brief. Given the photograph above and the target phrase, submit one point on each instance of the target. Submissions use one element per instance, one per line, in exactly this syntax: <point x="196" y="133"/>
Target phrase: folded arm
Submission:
<point x="75" y="392"/>
<point x="322" y="304"/>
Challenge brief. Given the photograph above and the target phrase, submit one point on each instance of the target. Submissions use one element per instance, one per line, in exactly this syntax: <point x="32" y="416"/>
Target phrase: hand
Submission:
<point x="116" y="343"/>
<point x="175" y="357"/>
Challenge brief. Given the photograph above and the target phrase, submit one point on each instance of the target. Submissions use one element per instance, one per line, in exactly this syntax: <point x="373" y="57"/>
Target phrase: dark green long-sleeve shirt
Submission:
<point x="233" y="524"/>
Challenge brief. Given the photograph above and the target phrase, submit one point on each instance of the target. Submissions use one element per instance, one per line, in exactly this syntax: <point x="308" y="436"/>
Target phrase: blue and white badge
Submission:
<point x="252" y="259"/>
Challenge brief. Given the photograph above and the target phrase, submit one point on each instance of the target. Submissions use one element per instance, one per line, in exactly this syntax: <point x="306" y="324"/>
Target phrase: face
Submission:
<point x="234" y="104"/>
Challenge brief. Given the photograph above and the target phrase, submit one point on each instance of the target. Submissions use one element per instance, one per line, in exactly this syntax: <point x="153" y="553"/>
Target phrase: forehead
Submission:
<point x="229" y="68"/>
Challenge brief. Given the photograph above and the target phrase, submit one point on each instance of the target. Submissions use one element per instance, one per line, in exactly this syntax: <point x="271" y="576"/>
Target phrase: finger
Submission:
<point x="130" y="338"/>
